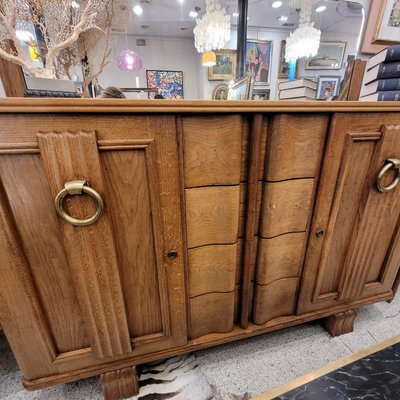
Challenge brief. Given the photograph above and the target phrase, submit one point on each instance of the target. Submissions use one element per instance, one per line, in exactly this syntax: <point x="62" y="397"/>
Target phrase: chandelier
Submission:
<point x="304" y="41"/>
<point x="213" y="30"/>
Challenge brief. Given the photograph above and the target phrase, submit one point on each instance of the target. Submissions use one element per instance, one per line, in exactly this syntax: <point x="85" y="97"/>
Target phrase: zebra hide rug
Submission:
<point x="178" y="378"/>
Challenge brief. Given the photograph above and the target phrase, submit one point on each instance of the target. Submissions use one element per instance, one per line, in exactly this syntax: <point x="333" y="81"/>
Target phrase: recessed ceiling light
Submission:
<point x="277" y="4"/>
<point x="283" y="18"/>
<point x="235" y="14"/>
<point x="145" y="26"/>
<point x="193" y="14"/>
<point x="138" y="10"/>
<point x="320" y="9"/>
<point x="181" y="1"/>
<point x="183" y="28"/>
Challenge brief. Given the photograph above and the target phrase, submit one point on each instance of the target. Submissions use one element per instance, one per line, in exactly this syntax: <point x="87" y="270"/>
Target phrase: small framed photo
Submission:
<point x="260" y="94"/>
<point x="225" y="69"/>
<point x="220" y="92"/>
<point x="242" y="89"/>
<point x="328" y="87"/>
<point x="330" y="56"/>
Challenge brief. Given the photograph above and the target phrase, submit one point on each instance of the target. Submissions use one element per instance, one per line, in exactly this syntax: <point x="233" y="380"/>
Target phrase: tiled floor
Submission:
<point x="252" y="365"/>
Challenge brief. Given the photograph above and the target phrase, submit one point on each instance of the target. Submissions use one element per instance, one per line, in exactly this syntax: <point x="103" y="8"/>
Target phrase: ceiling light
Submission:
<point x="320" y="9"/>
<point x="145" y="26"/>
<point x="235" y="14"/>
<point x="193" y="14"/>
<point x="181" y="1"/>
<point x="209" y="59"/>
<point x="138" y="10"/>
<point x="283" y="18"/>
<point x="277" y="4"/>
<point x="183" y="28"/>
<point x="74" y="4"/>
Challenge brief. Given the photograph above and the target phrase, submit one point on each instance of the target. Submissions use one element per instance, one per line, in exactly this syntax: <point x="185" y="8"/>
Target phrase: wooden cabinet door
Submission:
<point x="354" y="245"/>
<point x="74" y="297"/>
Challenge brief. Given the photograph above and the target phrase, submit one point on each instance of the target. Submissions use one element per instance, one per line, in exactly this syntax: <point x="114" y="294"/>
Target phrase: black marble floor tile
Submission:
<point x="375" y="377"/>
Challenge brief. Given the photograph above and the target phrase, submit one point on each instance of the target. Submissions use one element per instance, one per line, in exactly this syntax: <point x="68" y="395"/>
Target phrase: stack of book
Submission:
<point x="382" y="76"/>
<point x="300" y="89"/>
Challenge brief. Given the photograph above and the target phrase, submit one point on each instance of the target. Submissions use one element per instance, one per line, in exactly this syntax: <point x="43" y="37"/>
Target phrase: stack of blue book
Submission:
<point x="382" y="76"/>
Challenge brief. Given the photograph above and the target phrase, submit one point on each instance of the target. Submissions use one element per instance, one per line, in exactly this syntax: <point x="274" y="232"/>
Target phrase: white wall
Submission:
<point x="2" y="94"/>
<point x="175" y="54"/>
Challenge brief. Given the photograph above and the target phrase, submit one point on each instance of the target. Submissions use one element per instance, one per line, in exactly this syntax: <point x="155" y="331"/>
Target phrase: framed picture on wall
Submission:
<point x="330" y="56"/>
<point x="258" y="59"/>
<point x="220" y="92"/>
<point x="328" y="87"/>
<point x="169" y="83"/>
<point x="283" y="65"/>
<point x="225" y="69"/>
<point x="367" y="46"/>
<point x="242" y="89"/>
<point x="387" y="29"/>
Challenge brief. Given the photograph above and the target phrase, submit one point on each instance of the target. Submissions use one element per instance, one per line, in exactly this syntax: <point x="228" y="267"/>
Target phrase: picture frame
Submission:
<point x="327" y="87"/>
<point x="330" y="56"/>
<point x="242" y="89"/>
<point x="367" y="46"/>
<point x="258" y="60"/>
<point x="169" y="83"/>
<point x="225" y="69"/>
<point x="387" y="28"/>
<point x="283" y="72"/>
<point x="260" y="94"/>
<point x="220" y="92"/>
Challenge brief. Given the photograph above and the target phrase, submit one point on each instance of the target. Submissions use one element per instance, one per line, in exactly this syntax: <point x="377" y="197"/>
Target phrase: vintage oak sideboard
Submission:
<point x="132" y="231"/>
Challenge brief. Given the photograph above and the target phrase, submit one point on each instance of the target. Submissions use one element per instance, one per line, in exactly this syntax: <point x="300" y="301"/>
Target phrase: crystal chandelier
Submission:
<point x="304" y="41"/>
<point x="213" y="30"/>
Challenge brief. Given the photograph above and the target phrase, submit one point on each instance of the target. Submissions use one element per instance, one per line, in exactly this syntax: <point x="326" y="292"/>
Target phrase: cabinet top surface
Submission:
<point x="46" y="105"/>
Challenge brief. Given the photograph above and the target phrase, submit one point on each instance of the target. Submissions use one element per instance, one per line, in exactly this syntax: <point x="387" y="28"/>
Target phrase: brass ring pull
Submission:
<point x="75" y="188"/>
<point x="390" y="163"/>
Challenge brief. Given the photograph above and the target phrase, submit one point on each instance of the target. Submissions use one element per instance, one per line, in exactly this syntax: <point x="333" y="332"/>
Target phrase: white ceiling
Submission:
<point x="168" y="17"/>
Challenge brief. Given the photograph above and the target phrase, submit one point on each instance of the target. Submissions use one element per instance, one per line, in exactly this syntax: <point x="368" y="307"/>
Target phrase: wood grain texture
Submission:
<point x="212" y="269"/>
<point x="32" y="208"/>
<point x="346" y="185"/>
<point x="243" y="209"/>
<point x="274" y="300"/>
<point x="212" y="313"/>
<point x="204" y="165"/>
<point x="279" y="257"/>
<point x="285" y="207"/>
<point x="21" y="314"/>
<point x="12" y="75"/>
<point x="90" y="250"/>
<point x="356" y="81"/>
<point x="125" y="173"/>
<point x="252" y="219"/>
<point x="120" y="384"/>
<point x="377" y="218"/>
<point x="341" y="323"/>
<point x="116" y="106"/>
<point x="212" y="215"/>
<point x="295" y="144"/>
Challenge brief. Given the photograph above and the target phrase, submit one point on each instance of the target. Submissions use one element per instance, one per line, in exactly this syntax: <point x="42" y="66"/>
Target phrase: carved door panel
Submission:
<point x="104" y="291"/>
<point x="354" y="246"/>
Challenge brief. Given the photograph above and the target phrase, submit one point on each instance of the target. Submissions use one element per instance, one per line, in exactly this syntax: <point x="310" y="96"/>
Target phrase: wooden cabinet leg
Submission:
<point x="341" y="323"/>
<point x="120" y="384"/>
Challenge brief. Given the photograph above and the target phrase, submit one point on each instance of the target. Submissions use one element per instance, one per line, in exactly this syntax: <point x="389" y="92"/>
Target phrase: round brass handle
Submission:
<point x="390" y="163"/>
<point x="75" y="188"/>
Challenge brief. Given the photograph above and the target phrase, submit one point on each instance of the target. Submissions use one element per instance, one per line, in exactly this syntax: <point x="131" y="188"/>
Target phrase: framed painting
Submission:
<point x="328" y="87"/>
<point x="220" y="92"/>
<point x="367" y="46"/>
<point x="242" y="88"/>
<point x="169" y="83"/>
<point x="330" y="56"/>
<point x="283" y="72"/>
<point x="258" y="59"/>
<point x="225" y="69"/>
<point x="387" y="29"/>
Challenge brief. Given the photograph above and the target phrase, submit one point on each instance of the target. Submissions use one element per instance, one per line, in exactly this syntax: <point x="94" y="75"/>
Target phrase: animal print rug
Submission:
<point x="178" y="378"/>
